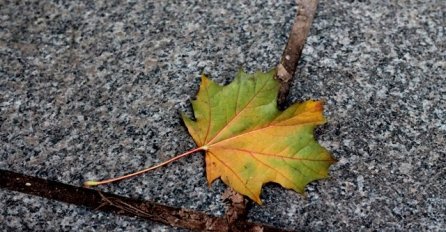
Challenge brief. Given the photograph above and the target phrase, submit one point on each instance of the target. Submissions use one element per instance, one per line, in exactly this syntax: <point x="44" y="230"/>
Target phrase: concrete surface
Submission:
<point x="92" y="89"/>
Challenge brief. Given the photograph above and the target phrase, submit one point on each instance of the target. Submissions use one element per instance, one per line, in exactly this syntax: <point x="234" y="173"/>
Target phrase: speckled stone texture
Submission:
<point x="92" y="89"/>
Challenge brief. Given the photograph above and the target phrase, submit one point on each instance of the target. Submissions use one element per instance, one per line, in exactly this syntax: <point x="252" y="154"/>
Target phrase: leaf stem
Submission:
<point x="107" y="181"/>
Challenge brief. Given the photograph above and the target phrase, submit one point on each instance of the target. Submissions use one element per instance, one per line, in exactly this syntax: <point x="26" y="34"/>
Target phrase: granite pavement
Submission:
<point x="93" y="89"/>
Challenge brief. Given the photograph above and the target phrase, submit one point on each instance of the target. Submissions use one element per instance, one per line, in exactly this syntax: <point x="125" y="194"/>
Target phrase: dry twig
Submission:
<point x="293" y="50"/>
<point x="98" y="200"/>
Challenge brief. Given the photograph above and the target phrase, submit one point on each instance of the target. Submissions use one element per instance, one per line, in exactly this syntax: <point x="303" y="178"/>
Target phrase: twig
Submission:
<point x="236" y="208"/>
<point x="293" y="50"/>
<point x="285" y="73"/>
<point x="108" y="202"/>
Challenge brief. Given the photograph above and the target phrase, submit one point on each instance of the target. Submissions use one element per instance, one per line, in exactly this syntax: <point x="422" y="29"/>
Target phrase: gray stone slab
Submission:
<point x="92" y="89"/>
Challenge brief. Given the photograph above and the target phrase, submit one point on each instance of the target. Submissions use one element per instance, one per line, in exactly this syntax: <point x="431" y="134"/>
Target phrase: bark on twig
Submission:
<point x="98" y="200"/>
<point x="293" y="50"/>
<point x="236" y="208"/>
<point x="285" y="73"/>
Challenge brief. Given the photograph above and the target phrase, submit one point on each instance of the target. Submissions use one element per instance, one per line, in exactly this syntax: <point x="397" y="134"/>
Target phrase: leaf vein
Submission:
<point x="258" y="129"/>
<point x="274" y="155"/>
<point x="234" y="172"/>
<point x="239" y="113"/>
<point x="209" y="115"/>
<point x="283" y="175"/>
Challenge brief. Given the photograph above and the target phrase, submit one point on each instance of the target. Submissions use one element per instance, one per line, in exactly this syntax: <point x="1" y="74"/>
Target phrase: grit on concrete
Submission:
<point x="93" y="89"/>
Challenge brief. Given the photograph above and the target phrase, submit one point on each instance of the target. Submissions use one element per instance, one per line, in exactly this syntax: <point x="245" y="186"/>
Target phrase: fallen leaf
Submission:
<point x="249" y="142"/>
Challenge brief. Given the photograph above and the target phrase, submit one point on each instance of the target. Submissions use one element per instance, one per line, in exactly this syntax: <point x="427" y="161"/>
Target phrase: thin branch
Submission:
<point x="108" y="202"/>
<point x="236" y="207"/>
<point x="285" y="73"/>
<point x="293" y="50"/>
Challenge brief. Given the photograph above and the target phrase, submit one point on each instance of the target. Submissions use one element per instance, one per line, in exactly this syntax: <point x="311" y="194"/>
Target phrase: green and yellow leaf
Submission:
<point x="249" y="142"/>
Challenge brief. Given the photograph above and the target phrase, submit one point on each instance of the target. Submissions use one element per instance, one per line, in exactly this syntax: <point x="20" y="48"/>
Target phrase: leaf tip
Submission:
<point x="240" y="72"/>
<point x="184" y="116"/>
<point x="258" y="200"/>
<point x="317" y="105"/>
<point x="204" y="78"/>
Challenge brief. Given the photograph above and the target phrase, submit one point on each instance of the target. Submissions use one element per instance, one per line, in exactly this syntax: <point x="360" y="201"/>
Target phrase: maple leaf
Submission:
<point x="249" y="142"/>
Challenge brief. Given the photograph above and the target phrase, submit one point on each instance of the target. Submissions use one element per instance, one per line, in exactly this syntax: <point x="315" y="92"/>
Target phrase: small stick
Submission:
<point x="108" y="202"/>
<point x="285" y="73"/>
<point x="293" y="50"/>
